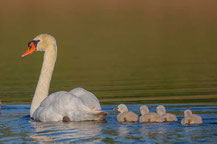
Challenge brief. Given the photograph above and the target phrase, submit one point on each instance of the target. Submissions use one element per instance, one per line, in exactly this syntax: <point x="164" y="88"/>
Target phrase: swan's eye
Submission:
<point x="34" y="42"/>
<point x="29" y="44"/>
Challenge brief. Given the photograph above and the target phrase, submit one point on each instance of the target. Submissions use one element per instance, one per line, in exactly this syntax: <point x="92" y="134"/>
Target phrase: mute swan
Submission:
<point x="76" y="105"/>
<point x="147" y="116"/>
<point x="190" y="118"/>
<point x="125" y="115"/>
<point x="168" y="117"/>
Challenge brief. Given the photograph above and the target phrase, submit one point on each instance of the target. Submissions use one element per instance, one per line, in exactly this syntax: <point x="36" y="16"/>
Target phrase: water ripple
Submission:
<point x="16" y="127"/>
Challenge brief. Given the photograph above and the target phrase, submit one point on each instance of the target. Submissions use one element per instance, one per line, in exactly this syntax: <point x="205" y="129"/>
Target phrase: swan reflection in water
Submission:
<point x="72" y="131"/>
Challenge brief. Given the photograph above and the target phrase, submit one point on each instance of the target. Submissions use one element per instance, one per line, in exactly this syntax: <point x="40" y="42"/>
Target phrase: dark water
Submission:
<point x="16" y="127"/>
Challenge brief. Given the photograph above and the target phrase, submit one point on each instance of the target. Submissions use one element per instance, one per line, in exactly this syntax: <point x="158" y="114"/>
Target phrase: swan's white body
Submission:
<point x="77" y="105"/>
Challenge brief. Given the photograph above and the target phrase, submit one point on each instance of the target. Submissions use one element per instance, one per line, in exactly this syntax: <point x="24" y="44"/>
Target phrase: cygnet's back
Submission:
<point x="125" y="115"/>
<point x="147" y="116"/>
<point x="190" y="118"/>
<point x="168" y="117"/>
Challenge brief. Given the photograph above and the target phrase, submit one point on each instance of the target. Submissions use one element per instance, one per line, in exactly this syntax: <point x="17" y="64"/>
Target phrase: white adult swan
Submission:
<point x="76" y="105"/>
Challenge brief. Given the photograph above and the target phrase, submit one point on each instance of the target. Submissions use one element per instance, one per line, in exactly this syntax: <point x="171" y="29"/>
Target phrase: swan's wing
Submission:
<point x="88" y="98"/>
<point x="51" y="98"/>
<point x="60" y="104"/>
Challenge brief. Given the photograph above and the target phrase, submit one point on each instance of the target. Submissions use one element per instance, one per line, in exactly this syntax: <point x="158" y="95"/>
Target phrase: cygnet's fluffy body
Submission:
<point x="125" y="115"/>
<point x="168" y="117"/>
<point x="190" y="118"/>
<point x="147" y="116"/>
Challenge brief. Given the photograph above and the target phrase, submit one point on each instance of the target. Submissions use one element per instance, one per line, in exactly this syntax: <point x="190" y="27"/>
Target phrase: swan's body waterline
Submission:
<point x="78" y="104"/>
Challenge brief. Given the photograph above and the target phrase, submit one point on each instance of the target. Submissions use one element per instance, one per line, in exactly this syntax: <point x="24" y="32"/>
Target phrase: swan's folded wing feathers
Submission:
<point x="52" y="97"/>
<point x="61" y="104"/>
<point x="88" y="98"/>
<point x="68" y="102"/>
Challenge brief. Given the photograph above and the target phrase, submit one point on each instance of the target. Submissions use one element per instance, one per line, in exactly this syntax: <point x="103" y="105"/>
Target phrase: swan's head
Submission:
<point x="144" y="110"/>
<point x="41" y="42"/>
<point x="121" y="108"/>
<point x="187" y="113"/>
<point x="161" y="110"/>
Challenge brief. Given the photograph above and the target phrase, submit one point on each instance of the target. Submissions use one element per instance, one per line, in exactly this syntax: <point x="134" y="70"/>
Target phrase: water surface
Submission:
<point x="16" y="127"/>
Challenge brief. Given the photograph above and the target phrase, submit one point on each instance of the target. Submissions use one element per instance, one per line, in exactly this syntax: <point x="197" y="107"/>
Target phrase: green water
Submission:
<point x="122" y="51"/>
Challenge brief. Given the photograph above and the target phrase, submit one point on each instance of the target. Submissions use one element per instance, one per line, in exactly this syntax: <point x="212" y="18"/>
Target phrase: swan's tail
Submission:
<point x="66" y="119"/>
<point x="100" y="115"/>
<point x="88" y="116"/>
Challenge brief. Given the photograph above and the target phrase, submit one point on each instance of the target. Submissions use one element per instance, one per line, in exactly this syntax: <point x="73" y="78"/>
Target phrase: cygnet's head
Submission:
<point x="144" y="110"/>
<point x="40" y="43"/>
<point x="121" y="108"/>
<point x="187" y="113"/>
<point x="161" y="110"/>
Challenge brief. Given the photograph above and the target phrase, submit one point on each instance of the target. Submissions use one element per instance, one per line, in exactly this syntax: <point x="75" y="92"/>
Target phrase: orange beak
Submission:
<point x="32" y="48"/>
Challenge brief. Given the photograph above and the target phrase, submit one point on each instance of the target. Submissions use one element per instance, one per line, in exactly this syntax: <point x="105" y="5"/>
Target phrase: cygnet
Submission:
<point x="190" y="118"/>
<point x="168" y="117"/>
<point x="125" y="115"/>
<point x="147" y="116"/>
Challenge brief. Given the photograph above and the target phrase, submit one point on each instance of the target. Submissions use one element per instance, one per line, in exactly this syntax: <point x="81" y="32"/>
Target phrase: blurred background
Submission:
<point x="124" y="51"/>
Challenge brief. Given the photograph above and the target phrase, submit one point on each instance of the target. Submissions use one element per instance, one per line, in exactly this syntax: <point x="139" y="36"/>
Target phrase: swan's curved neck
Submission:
<point x="43" y="85"/>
